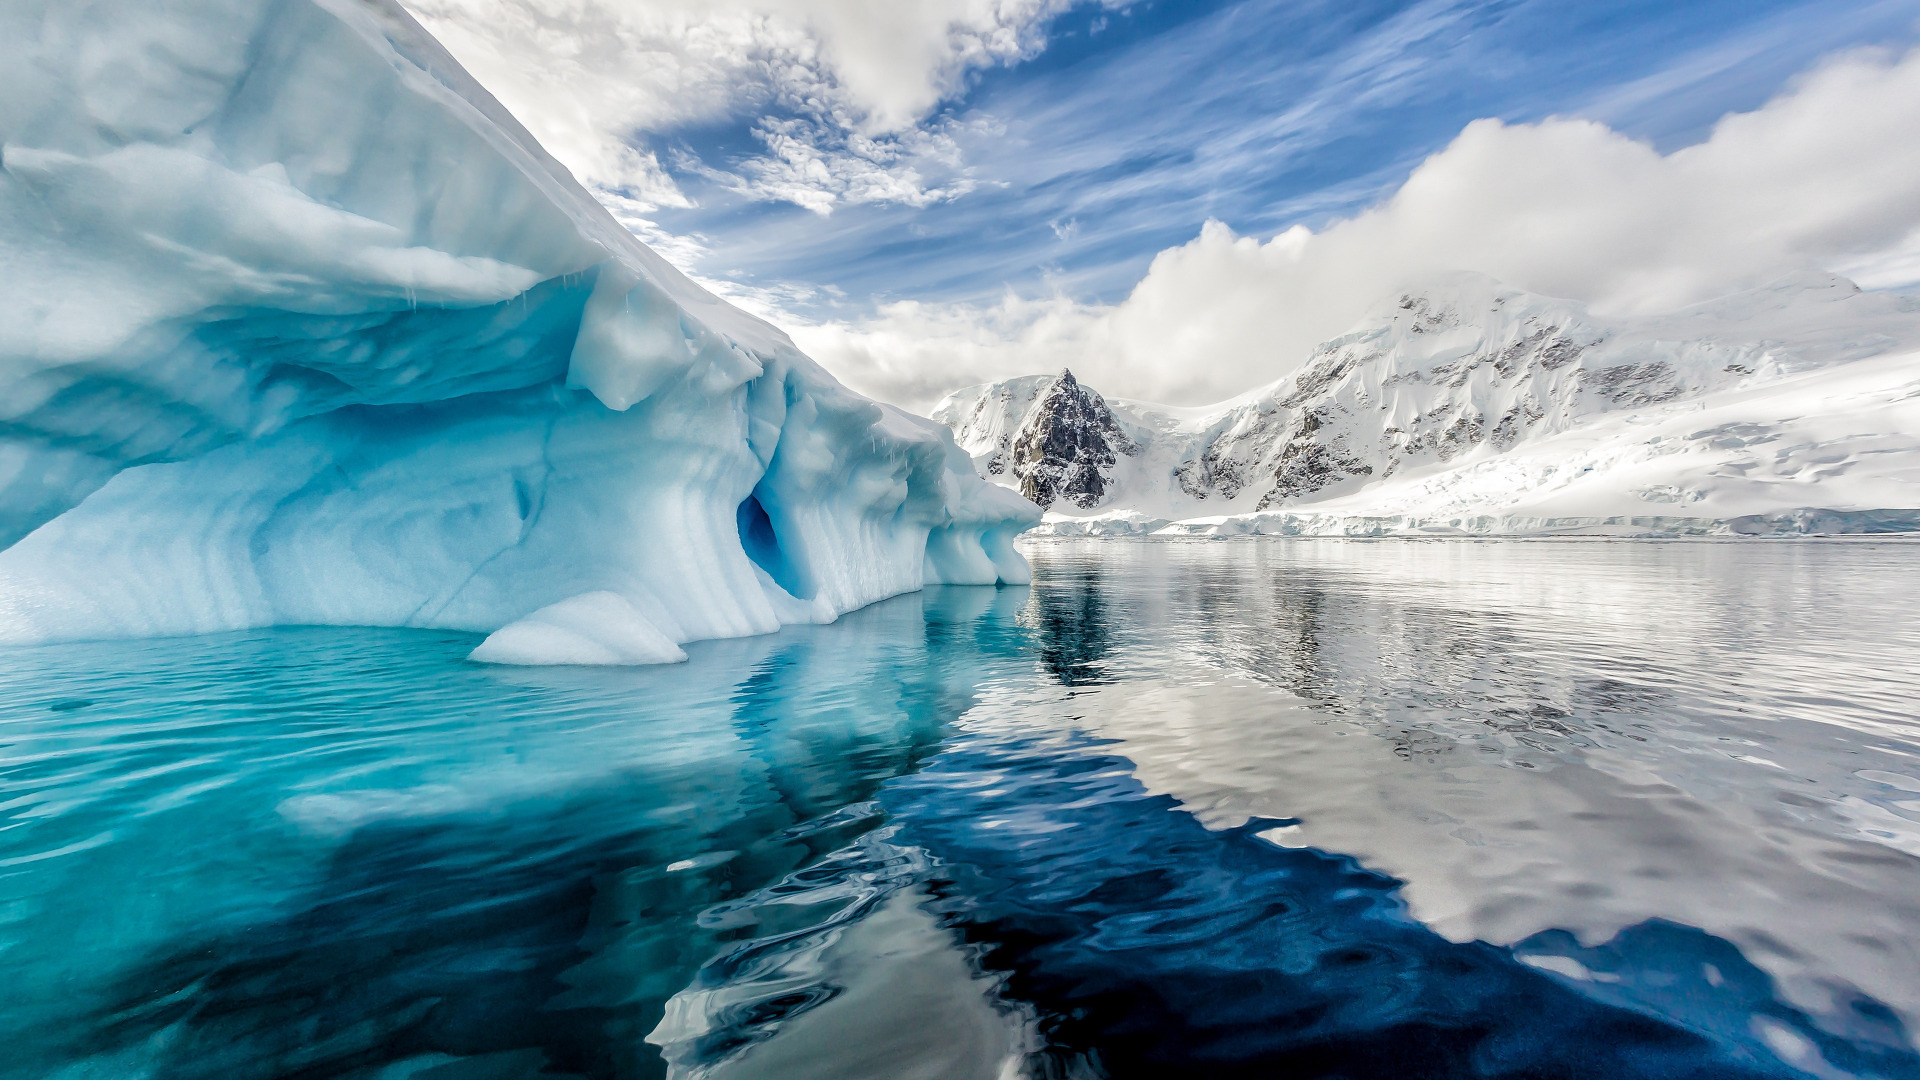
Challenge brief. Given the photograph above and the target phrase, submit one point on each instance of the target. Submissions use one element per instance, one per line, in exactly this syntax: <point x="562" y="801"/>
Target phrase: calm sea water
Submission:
<point x="1245" y="808"/>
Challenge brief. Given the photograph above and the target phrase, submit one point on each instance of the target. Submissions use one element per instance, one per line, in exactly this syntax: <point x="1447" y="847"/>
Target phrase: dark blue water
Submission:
<point x="1263" y="808"/>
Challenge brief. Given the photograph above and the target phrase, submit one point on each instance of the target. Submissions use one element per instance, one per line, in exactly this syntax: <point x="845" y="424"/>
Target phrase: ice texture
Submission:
<point x="304" y="328"/>
<point x="1466" y="406"/>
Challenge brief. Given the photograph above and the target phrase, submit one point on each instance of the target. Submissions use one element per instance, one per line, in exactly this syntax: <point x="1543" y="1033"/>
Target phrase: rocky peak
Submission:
<point x="1067" y="445"/>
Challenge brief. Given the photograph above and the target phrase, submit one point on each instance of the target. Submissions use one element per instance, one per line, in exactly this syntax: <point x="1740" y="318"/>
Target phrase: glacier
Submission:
<point x="304" y="328"/>
<point x="1468" y="407"/>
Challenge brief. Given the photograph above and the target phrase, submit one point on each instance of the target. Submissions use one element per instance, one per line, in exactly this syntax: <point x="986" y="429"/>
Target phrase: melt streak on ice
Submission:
<point x="304" y="328"/>
<point x="1471" y="407"/>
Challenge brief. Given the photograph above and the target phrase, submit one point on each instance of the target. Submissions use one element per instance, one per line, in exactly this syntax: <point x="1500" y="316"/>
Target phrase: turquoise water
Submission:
<point x="1245" y="808"/>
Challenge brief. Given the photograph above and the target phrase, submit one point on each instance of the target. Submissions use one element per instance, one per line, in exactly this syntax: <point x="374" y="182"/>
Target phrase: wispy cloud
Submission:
<point x="936" y="191"/>
<point x="836" y="92"/>
<point x="1827" y="175"/>
<point x="1676" y="101"/>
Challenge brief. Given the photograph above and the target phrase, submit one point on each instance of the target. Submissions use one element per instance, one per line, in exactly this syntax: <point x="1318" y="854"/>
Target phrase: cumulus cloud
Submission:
<point x="1825" y="175"/>
<point x="835" y="90"/>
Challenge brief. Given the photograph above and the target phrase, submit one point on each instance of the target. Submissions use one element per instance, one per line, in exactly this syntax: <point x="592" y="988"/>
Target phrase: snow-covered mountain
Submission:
<point x="1047" y="436"/>
<point x="302" y="327"/>
<point x="1467" y="406"/>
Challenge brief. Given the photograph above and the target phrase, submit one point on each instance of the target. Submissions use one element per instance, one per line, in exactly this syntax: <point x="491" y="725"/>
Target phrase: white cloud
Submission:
<point x="1825" y="175"/>
<point x="911" y="353"/>
<point x="837" y="89"/>
<point x="817" y="164"/>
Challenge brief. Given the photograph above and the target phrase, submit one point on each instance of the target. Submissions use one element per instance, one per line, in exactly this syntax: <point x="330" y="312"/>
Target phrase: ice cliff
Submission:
<point x="1468" y="406"/>
<point x="303" y="327"/>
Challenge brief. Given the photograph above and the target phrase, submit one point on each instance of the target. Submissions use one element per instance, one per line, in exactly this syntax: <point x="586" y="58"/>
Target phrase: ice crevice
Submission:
<point x="307" y="330"/>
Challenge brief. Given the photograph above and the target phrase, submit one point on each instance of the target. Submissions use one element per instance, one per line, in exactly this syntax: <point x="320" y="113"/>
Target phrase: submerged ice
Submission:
<point x="1245" y="810"/>
<point x="304" y="328"/>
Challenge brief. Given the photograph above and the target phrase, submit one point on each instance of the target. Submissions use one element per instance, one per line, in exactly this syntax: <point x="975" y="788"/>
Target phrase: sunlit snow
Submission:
<point x="1468" y="406"/>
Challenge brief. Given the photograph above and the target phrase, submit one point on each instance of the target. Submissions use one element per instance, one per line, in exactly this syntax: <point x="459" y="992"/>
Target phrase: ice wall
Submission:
<point x="301" y="327"/>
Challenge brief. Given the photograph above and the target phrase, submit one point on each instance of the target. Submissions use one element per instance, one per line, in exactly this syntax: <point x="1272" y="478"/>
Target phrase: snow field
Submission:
<point x="1470" y="407"/>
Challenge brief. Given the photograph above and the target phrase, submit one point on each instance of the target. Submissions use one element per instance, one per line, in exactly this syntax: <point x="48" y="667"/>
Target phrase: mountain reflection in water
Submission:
<point x="1180" y="809"/>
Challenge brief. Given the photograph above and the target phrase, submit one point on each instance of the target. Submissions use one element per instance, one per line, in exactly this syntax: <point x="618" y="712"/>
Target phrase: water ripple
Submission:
<point x="1213" y="809"/>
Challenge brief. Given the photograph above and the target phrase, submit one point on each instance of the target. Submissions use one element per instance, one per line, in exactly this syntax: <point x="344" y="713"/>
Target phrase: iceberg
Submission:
<point x="304" y="328"/>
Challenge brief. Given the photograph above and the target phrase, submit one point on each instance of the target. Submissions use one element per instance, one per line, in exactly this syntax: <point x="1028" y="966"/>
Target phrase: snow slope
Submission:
<point x="1471" y="407"/>
<point x="302" y="327"/>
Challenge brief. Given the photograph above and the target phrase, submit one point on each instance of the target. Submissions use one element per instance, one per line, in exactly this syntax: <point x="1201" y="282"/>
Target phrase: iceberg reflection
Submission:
<point x="1179" y="809"/>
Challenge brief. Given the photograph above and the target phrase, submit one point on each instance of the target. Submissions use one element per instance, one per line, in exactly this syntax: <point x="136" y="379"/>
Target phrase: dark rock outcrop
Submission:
<point x="1067" y="446"/>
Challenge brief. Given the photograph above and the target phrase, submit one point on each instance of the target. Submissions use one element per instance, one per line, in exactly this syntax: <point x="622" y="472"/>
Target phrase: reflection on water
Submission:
<point x="1245" y="808"/>
<point x="324" y="852"/>
<point x="1153" y="947"/>
<point x="1542" y="736"/>
<point x="1071" y="625"/>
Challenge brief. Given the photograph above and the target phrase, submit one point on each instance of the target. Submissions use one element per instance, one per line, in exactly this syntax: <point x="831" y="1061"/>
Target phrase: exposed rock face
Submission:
<point x="1393" y="395"/>
<point x="1054" y="440"/>
<point x="1067" y="446"/>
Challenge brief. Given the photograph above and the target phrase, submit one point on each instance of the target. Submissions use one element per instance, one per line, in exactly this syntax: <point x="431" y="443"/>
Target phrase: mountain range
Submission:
<point x="1468" y="406"/>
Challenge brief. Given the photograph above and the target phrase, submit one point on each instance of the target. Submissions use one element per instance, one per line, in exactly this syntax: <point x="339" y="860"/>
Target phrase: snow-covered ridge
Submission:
<point x="302" y="327"/>
<point x="1471" y="407"/>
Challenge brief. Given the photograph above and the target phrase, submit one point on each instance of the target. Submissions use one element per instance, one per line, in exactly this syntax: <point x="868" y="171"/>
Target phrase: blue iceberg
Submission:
<point x="304" y="328"/>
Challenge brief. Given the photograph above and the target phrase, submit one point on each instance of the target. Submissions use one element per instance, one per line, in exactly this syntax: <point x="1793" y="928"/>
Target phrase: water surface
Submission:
<point x="1243" y="808"/>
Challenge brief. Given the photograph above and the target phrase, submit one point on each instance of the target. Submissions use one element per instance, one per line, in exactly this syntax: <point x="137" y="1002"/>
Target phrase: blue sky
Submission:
<point x="1183" y="199"/>
<point x="1134" y="127"/>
